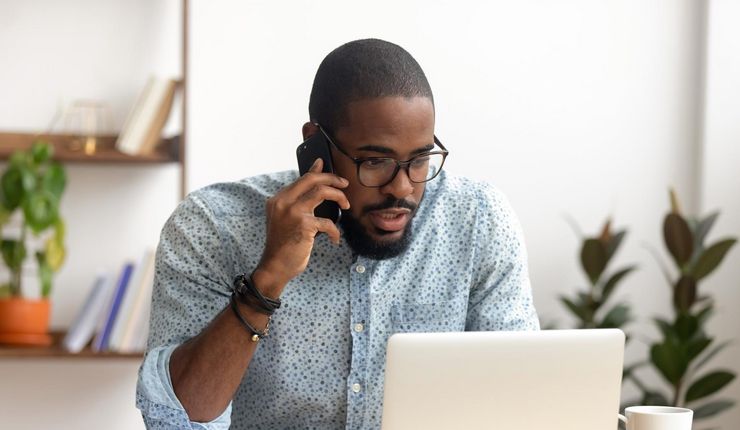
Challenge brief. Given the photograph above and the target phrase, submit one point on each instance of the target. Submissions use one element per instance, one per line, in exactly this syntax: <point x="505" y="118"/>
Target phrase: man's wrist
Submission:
<point x="267" y="283"/>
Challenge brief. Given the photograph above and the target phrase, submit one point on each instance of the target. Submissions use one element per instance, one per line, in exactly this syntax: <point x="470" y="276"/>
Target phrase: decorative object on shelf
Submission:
<point x="88" y="121"/>
<point x="586" y="306"/>
<point x="685" y="348"/>
<point x="31" y="188"/>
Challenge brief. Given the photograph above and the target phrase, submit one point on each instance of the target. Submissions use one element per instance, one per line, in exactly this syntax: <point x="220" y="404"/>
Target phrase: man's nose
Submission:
<point x="401" y="186"/>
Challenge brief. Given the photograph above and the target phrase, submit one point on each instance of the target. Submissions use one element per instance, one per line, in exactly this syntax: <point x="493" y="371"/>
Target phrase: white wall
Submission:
<point x="583" y="107"/>
<point x="720" y="179"/>
<point x="52" y="53"/>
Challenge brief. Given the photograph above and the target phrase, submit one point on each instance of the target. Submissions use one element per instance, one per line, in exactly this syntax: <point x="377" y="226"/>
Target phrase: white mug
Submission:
<point x="657" y="418"/>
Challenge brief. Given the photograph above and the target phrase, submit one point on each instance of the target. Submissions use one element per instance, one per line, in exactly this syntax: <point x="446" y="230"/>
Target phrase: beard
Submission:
<point x="362" y="243"/>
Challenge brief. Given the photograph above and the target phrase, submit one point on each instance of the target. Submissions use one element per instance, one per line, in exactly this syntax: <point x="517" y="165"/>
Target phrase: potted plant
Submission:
<point x="685" y="346"/>
<point x="589" y="306"/>
<point x="32" y="231"/>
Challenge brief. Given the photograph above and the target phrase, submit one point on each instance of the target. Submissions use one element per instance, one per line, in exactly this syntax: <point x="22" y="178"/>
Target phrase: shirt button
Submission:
<point x="356" y="388"/>
<point x="359" y="327"/>
<point x="360" y="268"/>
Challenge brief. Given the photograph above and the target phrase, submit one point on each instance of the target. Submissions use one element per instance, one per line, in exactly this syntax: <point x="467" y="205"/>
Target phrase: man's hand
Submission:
<point x="292" y="227"/>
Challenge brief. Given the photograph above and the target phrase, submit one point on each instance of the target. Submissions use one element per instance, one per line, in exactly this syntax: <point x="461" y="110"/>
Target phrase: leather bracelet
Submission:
<point x="244" y="288"/>
<point x="256" y="335"/>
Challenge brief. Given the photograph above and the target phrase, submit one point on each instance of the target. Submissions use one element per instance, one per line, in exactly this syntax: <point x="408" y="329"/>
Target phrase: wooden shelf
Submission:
<point x="69" y="149"/>
<point x="56" y="351"/>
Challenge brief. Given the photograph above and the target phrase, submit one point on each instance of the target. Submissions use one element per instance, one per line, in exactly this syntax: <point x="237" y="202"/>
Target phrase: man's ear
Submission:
<point x="309" y="129"/>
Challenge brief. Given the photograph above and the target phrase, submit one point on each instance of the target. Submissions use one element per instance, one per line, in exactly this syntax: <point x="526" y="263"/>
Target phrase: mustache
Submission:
<point x="391" y="203"/>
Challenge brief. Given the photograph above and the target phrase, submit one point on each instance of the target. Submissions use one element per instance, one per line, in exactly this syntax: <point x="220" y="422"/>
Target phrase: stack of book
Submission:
<point x="142" y="130"/>
<point x="115" y="315"/>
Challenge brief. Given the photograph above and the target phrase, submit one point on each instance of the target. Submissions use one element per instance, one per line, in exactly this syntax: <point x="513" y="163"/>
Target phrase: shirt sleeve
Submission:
<point x="191" y="286"/>
<point x="501" y="296"/>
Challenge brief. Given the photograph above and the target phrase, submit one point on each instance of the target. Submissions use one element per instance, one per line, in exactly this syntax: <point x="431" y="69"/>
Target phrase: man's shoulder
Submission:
<point x="246" y="196"/>
<point x="462" y="190"/>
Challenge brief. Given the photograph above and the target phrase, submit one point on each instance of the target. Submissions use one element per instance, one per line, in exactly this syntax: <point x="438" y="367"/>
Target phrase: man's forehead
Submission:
<point x="388" y="122"/>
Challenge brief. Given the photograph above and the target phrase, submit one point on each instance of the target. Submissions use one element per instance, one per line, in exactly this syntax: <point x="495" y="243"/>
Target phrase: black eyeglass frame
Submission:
<point x="399" y="164"/>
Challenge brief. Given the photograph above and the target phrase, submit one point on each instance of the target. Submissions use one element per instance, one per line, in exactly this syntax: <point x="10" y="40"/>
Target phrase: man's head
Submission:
<point x="373" y="100"/>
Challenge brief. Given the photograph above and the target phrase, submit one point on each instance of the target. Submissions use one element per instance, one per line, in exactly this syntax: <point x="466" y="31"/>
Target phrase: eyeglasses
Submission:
<point x="376" y="172"/>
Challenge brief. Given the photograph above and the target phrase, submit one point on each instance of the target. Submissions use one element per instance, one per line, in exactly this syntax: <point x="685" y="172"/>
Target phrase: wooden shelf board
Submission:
<point x="68" y="149"/>
<point x="56" y="351"/>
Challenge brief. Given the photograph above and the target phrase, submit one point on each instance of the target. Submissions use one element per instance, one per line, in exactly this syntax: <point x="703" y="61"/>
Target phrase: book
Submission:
<point x="85" y="324"/>
<point x="133" y="292"/>
<point x="100" y="343"/>
<point x="137" y="331"/>
<point x="143" y="127"/>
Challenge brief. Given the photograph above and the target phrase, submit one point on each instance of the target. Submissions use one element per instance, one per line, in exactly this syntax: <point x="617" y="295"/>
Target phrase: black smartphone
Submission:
<point x="307" y="152"/>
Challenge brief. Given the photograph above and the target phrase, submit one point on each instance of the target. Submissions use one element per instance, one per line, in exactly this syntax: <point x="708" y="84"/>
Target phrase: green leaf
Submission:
<point x="41" y="210"/>
<point x="686" y="326"/>
<point x="684" y="294"/>
<point x="18" y="159"/>
<point x="708" y="385"/>
<point x="678" y="238"/>
<point x="578" y="311"/>
<point x="54" y="180"/>
<point x="712" y="408"/>
<point x="593" y="258"/>
<point x="614" y="243"/>
<point x="703" y="315"/>
<point x="714" y="351"/>
<point x="45" y="274"/>
<point x="613" y="281"/>
<point x="14" y="252"/>
<point x="41" y="151"/>
<point x="696" y="346"/>
<point x="654" y="398"/>
<point x="669" y="360"/>
<point x="666" y="328"/>
<point x="12" y="187"/>
<point x="616" y="317"/>
<point x="711" y="258"/>
<point x="60" y="230"/>
<point x="5" y="291"/>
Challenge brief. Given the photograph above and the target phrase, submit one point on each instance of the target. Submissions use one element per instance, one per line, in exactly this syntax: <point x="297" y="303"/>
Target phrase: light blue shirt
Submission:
<point x="323" y="364"/>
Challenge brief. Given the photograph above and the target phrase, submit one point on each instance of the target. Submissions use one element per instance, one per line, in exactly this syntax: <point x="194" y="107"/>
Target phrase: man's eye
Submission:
<point x="376" y="164"/>
<point x="420" y="161"/>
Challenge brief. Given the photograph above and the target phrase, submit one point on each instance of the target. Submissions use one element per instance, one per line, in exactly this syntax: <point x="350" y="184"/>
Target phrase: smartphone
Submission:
<point x="307" y="152"/>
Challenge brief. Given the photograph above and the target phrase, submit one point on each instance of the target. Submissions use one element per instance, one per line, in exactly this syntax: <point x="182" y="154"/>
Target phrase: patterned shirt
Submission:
<point x="323" y="364"/>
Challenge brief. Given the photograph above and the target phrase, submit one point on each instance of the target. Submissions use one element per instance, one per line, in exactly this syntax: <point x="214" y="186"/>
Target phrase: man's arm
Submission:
<point x="501" y="295"/>
<point x="213" y="352"/>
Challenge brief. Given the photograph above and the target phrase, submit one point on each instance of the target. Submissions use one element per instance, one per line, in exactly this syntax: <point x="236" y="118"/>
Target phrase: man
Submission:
<point x="415" y="250"/>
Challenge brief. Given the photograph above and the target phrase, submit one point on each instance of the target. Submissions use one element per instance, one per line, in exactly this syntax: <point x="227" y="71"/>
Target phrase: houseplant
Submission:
<point x="685" y="347"/>
<point x="587" y="305"/>
<point x="31" y="188"/>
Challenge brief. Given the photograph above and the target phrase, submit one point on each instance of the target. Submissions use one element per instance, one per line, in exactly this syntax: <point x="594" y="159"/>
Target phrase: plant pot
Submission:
<point x="25" y="322"/>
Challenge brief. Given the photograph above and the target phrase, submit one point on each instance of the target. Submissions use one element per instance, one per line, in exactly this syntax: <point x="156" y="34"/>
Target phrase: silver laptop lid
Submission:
<point x="555" y="379"/>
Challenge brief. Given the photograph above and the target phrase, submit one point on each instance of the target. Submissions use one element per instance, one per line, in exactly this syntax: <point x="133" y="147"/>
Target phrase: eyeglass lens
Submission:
<point x="380" y="171"/>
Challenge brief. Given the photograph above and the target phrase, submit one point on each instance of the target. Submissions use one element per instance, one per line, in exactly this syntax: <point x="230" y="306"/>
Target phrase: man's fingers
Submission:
<point x="310" y="180"/>
<point x="317" y="165"/>
<point x="328" y="227"/>
<point x="316" y="195"/>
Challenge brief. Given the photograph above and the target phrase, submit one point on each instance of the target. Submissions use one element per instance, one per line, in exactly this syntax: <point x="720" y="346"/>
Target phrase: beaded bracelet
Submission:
<point x="256" y="334"/>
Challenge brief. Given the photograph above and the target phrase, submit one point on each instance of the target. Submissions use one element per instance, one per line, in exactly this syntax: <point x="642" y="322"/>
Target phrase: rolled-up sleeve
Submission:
<point x="190" y="288"/>
<point x="501" y="294"/>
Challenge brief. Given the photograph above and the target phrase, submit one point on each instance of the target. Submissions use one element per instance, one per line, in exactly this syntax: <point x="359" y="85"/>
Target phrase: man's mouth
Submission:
<point x="390" y="220"/>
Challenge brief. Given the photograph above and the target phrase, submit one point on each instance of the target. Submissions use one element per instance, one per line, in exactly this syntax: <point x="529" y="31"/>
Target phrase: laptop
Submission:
<point x="554" y="379"/>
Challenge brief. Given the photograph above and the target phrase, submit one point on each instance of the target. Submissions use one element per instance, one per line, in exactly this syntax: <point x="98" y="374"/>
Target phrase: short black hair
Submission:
<point x="360" y="70"/>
